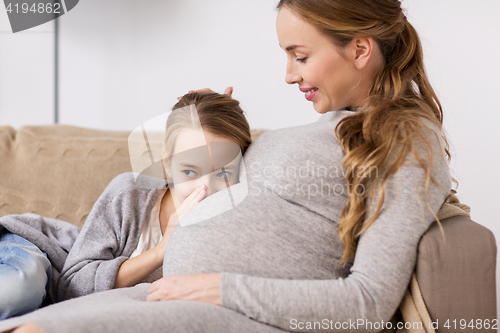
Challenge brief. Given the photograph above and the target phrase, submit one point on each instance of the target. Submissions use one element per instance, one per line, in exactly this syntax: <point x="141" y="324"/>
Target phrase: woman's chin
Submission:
<point x="320" y="109"/>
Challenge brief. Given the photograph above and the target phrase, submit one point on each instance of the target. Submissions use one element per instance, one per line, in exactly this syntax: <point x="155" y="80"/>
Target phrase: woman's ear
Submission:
<point x="362" y="51"/>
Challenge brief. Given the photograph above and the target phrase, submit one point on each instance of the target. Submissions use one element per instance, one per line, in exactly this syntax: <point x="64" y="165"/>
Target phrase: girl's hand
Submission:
<point x="192" y="200"/>
<point x="228" y="91"/>
<point x="203" y="288"/>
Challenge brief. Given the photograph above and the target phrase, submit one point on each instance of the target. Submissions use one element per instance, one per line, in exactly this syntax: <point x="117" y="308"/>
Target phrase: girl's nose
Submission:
<point x="208" y="181"/>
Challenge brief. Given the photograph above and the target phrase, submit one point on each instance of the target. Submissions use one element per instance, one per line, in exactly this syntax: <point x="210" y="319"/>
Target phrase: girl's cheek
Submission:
<point x="183" y="191"/>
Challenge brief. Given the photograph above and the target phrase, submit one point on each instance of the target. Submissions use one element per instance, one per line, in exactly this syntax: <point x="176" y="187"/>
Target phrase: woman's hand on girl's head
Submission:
<point x="203" y="288"/>
<point x="228" y="91"/>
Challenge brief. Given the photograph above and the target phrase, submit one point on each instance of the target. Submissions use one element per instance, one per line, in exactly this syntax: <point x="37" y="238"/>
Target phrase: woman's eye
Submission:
<point x="189" y="173"/>
<point x="301" y="59"/>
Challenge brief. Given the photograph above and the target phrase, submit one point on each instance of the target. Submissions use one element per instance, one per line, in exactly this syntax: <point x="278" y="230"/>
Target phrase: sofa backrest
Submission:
<point x="58" y="171"/>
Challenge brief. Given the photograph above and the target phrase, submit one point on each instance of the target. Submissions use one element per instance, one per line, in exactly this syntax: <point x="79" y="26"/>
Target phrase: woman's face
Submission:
<point x="200" y="157"/>
<point x="317" y="65"/>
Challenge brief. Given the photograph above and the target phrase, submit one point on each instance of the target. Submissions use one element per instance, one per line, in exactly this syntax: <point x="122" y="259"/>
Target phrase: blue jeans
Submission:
<point x="25" y="274"/>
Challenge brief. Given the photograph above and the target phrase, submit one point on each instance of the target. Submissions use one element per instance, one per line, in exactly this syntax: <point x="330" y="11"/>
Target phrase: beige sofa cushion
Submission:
<point x="58" y="171"/>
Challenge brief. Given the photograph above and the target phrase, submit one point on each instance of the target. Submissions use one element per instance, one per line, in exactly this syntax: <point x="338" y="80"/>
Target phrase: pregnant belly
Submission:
<point x="262" y="236"/>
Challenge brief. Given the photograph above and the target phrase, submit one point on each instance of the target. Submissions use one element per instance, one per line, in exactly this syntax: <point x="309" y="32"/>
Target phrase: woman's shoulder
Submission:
<point x="432" y="129"/>
<point x="325" y="124"/>
<point x="432" y="133"/>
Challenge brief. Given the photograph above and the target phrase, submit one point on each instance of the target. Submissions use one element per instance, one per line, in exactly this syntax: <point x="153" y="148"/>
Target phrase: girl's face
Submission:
<point x="200" y="157"/>
<point x="323" y="72"/>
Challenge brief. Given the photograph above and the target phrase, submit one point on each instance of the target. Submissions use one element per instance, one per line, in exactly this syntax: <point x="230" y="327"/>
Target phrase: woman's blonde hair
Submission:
<point x="215" y="113"/>
<point x="389" y="125"/>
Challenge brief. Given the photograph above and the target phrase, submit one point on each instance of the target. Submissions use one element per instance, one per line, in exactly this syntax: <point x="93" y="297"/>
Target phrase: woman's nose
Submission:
<point x="292" y="76"/>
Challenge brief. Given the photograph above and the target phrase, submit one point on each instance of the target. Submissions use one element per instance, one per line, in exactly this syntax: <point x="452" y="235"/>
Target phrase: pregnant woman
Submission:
<point x="330" y="227"/>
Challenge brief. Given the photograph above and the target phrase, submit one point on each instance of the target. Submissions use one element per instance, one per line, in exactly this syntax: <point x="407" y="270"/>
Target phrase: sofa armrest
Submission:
<point x="456" y="274"/>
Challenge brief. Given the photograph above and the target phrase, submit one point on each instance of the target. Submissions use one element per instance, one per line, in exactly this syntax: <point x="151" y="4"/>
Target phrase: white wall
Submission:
<point x="26" y="74"/>
<point x="125" y="61"/>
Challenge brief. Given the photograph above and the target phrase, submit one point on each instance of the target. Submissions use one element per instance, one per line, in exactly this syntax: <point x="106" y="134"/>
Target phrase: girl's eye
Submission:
<point x="301" y="59"/>
<point x="224" y="174"/>
<point x="189" y="173"/>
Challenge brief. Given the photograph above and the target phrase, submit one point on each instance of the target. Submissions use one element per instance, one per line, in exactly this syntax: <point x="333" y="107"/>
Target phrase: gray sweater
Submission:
<point x="279" y="248"/>
<point x="109" y="236"/>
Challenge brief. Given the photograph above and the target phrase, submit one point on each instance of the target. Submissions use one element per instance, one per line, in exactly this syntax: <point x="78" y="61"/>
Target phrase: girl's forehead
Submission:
<point x="192" y="138"/>
<point x="189" y="139"/>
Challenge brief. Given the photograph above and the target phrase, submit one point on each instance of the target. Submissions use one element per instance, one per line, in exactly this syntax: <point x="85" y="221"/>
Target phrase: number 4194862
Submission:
<point x="472" y="324"/>
<point x="34" y="8"/>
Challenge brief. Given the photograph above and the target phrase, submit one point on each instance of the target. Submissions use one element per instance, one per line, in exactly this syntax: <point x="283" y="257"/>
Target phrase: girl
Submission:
<point x="116" y="251"/>
<point x="124" y="239"/>
<point x="330" y="231"/>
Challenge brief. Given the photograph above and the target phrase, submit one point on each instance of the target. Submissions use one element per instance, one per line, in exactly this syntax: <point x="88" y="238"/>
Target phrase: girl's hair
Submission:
<point x="215" y="113"/>
<point x="389" y="125"/>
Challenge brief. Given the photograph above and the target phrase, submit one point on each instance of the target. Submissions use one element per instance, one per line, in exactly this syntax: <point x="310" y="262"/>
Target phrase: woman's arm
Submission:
<point x="108" y="238"/>
<point x="384" y="261"/>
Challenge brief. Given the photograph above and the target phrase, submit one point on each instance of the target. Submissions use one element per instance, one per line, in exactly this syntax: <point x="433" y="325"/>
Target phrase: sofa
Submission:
<point x="59" y="171"/>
